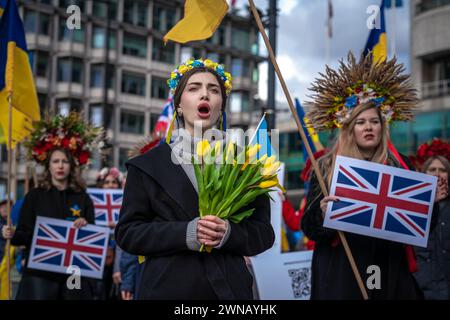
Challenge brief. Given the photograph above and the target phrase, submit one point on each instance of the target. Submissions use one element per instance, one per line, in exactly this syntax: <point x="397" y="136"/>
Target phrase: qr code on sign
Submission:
<point x="301" y="282"/>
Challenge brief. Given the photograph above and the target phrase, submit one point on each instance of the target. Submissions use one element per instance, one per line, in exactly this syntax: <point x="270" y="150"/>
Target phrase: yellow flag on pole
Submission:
<point x="16" y="78"/>
<point x="200" y="21"/>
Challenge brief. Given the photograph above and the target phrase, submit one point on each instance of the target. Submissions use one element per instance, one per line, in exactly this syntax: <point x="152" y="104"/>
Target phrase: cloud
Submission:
<point x="301" y="41"/>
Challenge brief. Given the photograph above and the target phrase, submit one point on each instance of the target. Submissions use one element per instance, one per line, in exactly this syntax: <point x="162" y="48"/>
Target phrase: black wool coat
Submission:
<point x="332" y="277"/>
<point x="159" y="202"/>
<point x="433" y="261"/>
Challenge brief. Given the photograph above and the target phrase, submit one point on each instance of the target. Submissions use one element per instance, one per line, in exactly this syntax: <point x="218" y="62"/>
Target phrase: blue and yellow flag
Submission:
<point x="200" y="21"/>
<point x="311" y="136"/>
<point x="16" y="78"/>
<point x="377" y="42"/>
<point x="2" y="7"/>
<point x="261" y="136"/>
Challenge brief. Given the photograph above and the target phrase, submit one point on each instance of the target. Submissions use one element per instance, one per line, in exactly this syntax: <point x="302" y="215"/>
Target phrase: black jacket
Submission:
<point x="332" y="276"/>
<point x="159" y="202"/>
<point x="433" y="261"/>
<point x="51" y="203"/>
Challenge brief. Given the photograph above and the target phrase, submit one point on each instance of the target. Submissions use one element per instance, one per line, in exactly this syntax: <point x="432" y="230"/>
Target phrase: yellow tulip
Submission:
<point x="268" y="184"/>
<point x="253" y="150"/>
<point x="263" y="158"/>
<point x="269" y="161"/>
<point x="217" y="148"/>
<point x="230" y="152"/>
<point x="271" y="170"/>
<point x="203" y="148"/>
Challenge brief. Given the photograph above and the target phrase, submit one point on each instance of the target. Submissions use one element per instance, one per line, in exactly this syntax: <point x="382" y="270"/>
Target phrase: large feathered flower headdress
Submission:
<point x="337" y="92"/>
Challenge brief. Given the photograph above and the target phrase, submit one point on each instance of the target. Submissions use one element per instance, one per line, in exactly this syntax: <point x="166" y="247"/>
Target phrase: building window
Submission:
<point x="99" y="9"/>
<point x="29" y="21"/>
<point x="135" y="12"/>
<point x="240" y="68"/>
<point x="218" y="38"/>
<point x="70" y="70"/>
<point x="96" y="114"/>
<point x="44" y="24"/>
<point x="240" y="102"/>
<point x="97" y="76"/>
<point x="153" y="120"/>
<point x="163" y="18"/>
<point x="163" y="53"/>
<point x="99" y="36"/>
<point x="67" y="105"/>
<point x="134" y="45"/>
<point x="133" y="84"/>
<point x="132" y="122"/>
<point x="123" y="158"/>
<point x="66" y="3"/>
<point x="43" y="107"/>
<point x="240" y="39"/>
<point x="160" y="89"/>
<point x="65" y="34"/>
<point x="40" y="63"/>
<point x="425" y="5"/>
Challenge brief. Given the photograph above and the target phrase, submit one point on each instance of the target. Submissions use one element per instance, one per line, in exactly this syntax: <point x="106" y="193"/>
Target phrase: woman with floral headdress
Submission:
<point x="360" y="99"/>
<point x="433" y="261"/>
<point x="61" y="145"/>
<point x="160" y="213"/>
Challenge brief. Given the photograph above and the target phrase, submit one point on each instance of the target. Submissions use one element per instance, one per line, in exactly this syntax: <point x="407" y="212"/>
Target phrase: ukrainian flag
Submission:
<point x="16" y="79"/>
<point x="377" y="42"/>
<point x="2" y="7"/>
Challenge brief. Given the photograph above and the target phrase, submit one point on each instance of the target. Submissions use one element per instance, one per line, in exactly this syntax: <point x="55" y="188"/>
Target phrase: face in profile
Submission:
<point x="367" y="130"/>
<point x="201" y="101"/>
<point x="59" y="166"/>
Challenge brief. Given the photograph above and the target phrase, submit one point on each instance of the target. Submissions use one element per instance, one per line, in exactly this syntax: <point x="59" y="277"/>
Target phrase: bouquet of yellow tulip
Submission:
<point x="228" y="181"/>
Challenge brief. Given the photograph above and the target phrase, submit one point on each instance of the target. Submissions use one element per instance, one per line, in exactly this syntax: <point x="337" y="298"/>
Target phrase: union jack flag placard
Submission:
<point x="381" y="201"/>
<point x="57" y="245"/>
<point x="107" y="203"/>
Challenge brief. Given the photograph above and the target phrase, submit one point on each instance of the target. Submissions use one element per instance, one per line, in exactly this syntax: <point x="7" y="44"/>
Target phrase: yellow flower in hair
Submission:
<point x="228" y="75"/>
<point x="182" y="69"/>
<point x="209" y="64"/>
<point x="173" y="75"/>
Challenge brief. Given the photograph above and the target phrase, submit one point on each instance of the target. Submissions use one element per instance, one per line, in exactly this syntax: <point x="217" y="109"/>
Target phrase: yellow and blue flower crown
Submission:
<point x="178" y="73"/>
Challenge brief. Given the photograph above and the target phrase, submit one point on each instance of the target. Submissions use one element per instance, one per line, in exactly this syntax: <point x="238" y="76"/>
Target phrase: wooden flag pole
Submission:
<point x="307" y="146"/>
<point x="8" y="191"/>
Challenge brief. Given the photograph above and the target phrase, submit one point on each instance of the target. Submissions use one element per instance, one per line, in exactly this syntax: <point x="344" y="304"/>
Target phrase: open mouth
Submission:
<point x="204" y="110"/>
<point x="369" y="137"/>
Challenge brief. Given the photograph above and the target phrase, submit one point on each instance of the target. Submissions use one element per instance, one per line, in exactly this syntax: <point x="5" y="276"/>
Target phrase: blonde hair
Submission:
<point x="346" y="145"/>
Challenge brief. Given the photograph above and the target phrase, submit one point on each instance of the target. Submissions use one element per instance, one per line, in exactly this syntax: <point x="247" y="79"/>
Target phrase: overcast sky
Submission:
<point x="302" y="38"/>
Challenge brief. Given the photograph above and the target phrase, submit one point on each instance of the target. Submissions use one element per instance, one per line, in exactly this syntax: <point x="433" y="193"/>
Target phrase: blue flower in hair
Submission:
<point x="378" y="101"/>
<point x="197" y="64"/>
<point x="173" y="83"/>
<point x="351" y="101"/>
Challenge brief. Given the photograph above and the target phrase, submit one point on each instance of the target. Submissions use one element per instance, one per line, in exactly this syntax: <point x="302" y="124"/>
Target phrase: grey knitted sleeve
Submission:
<point x="191" y="236"/>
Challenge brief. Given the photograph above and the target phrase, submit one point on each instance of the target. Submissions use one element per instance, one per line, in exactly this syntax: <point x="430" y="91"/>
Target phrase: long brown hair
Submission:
<point x="75" y="182"/>
<point x="183" y="82"/>
<point x="346" y="145"/>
